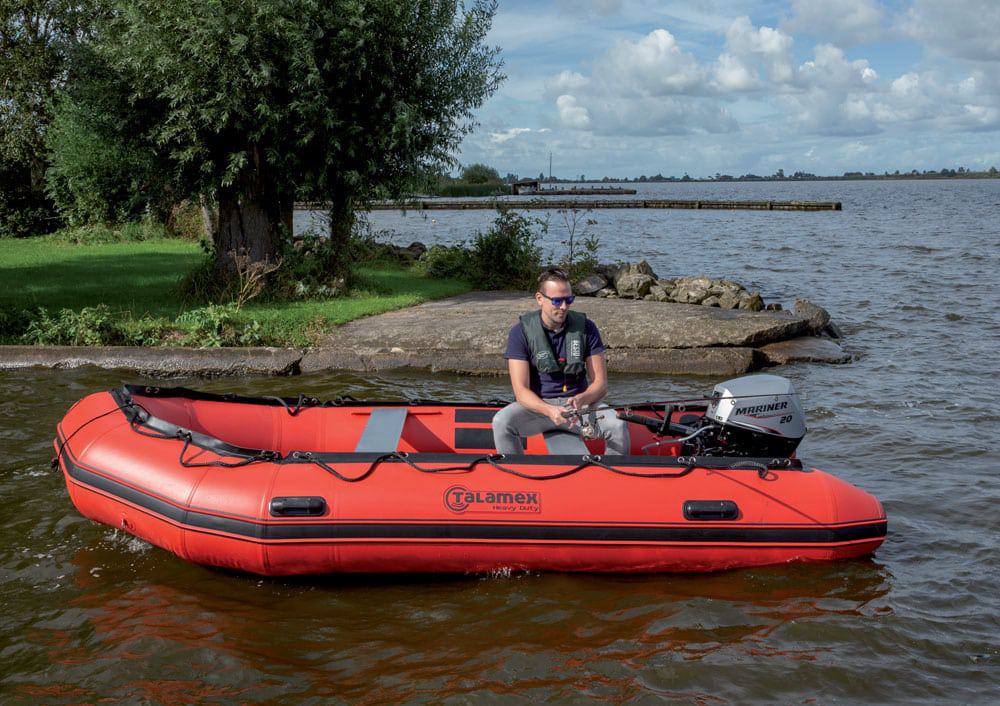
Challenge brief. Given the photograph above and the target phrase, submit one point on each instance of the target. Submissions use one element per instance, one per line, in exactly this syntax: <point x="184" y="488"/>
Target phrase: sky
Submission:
<point x="629" y="87"/>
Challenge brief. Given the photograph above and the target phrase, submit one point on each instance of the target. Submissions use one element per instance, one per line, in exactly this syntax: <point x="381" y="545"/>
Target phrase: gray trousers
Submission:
<point x="513" y="424"/>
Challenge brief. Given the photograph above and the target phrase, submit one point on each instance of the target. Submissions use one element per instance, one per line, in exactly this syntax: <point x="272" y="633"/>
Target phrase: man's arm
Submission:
<point x="520" y="380"/>
<point x="597" y="374"/>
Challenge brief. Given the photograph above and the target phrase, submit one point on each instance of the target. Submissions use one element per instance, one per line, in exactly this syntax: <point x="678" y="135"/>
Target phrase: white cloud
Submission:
<point x="572" y="114"/>
<point x="968" y="29"/>
<point x="752" y="47"/>
<point x="653" y="65"/>
<point x="730" y="75"/>
<point x="830" y="67"/>
<point x="846" y="22"/>
<point x="506" y="135"/>
<point x="565" y="82"/>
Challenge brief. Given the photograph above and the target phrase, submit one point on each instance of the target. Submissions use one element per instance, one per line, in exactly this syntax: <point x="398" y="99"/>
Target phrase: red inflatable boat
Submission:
<point x="281" y="486"/>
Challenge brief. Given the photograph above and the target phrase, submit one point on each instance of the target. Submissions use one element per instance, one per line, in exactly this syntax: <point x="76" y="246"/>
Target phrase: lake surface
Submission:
<point x="909" y="272"/>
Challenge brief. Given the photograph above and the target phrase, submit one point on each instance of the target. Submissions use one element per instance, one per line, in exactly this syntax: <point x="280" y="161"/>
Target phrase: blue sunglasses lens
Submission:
<point x="558" y="301"/>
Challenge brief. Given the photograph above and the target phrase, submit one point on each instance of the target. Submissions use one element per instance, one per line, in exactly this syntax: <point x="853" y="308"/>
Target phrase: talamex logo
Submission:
<point x="458" y="498"/>
<point x="762" y="408"/>
<point x="574" y="348"/>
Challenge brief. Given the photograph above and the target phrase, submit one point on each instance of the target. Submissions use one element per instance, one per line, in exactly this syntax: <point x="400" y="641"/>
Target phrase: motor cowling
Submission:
<point x="757" y="415"/>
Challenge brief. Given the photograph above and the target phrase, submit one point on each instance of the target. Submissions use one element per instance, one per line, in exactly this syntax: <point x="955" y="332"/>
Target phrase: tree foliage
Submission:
<point x="101" y="170"/>
<point x="479" y="174"/>
<point x="34" y="36"/>
<point x="260" y="103"/>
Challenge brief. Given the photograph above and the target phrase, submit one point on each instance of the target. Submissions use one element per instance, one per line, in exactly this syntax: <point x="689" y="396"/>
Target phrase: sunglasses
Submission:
<point x="558" y="301"/>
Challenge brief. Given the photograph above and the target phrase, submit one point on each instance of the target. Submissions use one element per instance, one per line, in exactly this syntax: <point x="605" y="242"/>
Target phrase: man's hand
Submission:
<point x="556" y="414"/>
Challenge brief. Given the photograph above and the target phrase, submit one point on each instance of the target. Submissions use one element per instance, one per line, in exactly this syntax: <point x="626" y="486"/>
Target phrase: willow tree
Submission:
<point x="263" y="102"/>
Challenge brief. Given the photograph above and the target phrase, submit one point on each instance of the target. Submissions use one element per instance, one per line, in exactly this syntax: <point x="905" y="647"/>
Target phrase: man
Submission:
<point x="556" y="362"/>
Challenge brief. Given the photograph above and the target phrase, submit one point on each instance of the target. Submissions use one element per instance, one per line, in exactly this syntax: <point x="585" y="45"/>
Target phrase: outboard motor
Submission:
<point x="756" y="415"/>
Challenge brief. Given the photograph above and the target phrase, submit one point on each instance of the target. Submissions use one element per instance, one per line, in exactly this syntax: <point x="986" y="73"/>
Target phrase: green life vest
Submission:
<point x="542" y="354"/>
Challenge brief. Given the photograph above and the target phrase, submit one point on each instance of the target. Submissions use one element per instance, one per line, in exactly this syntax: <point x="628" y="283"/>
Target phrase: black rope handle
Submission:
<point x="303" y="401"/>
<point x="187" y="437"/>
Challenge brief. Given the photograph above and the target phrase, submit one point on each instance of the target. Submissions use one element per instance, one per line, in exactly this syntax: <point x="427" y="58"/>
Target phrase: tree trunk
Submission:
<point x="250" y="220"/>
<point x="341" y="217"/>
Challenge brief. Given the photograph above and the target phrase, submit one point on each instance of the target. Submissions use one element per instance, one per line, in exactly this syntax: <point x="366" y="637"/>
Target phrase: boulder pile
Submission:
<point x="638" y="281"/>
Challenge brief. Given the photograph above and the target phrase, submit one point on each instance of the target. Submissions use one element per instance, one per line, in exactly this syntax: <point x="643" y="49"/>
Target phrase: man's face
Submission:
<point x="554" y="317"/>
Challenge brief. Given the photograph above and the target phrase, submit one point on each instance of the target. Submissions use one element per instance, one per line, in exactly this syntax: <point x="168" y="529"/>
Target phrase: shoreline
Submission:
<point x="467" y="333"/>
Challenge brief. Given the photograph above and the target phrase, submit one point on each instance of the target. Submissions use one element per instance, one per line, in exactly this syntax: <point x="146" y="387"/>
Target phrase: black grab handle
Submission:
<point x="711" y="510"/>
<point x="298" y="506"/>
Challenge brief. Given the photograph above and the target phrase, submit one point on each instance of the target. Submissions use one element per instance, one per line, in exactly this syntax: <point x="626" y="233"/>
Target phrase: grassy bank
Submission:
<point x="139" y="281"/>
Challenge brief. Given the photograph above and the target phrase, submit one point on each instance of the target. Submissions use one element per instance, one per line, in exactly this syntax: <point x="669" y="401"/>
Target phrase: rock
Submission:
<point x="608" y="271"/>
<point x="710" y="301"/>
<point x="634" y="285"/>
<point x="807" y="349"/>
<point x="718" y="362"/>
<point x="416" y="249"/>
<point x="754" y="302"/>
<point x="666" y="284"/>
<point x="649" y="298"/>
<point x="632" y="270"/>
<point x="697" y="282"/>
<point x="590" y="286"/>
<point x="658" y="293"/>
<point x="728" y="300"/>
<point x="816" y="316"/>
<point x="479" y="322"/>
<point x="832" y="330"/>
<point x="606" y="292"/>
<point x="686" y="294"/>
<point x="157" y="361"/>
<point x="774" y="306"/>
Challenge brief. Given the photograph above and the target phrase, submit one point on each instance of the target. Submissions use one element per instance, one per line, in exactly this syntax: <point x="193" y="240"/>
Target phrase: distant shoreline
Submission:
<point x="753" y="178"/>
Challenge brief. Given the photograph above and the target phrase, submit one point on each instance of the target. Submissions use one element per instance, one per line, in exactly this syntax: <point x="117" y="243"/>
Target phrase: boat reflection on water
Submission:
<point x="180" y="631"/>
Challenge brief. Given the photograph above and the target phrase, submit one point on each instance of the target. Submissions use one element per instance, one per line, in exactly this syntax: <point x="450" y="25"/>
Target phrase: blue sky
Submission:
<point x="630" y="87"/>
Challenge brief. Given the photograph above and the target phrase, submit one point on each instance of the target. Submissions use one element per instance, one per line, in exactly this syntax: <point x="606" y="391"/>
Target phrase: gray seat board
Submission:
<point x="383" y="430"/>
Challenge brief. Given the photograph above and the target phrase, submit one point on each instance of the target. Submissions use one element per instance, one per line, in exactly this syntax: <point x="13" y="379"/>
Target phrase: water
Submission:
<point x="908" y="270"/>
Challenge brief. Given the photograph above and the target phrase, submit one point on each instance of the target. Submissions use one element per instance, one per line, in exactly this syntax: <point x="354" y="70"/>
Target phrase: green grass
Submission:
<point x="143" y="277"/>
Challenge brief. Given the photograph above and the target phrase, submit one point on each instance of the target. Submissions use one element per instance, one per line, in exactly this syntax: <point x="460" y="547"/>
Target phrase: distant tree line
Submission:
<point x="944" y="173"/>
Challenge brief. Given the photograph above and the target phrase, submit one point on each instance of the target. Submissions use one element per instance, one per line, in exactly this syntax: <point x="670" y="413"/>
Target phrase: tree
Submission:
<point x="262" y="103"/>
<point x="479" y="174"/>
<point x="34" y="36"/>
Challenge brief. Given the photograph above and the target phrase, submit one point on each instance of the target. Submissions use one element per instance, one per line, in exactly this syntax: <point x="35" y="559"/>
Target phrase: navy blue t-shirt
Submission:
<point x="548" y="386"/>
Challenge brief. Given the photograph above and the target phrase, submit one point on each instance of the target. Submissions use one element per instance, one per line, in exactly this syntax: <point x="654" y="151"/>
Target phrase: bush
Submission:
<point x="479" y="174"/>
<point x="446" y="262"/>
<point x="101" y="233"/>
<point x="97" y="176"/>
<point x="458" y="190"/>
<point x="186" y="221"/>
<point x="210" y="326"/>
<point x="24" y="209"/>
<point x="14" y="323"/>
<point x="91" y="326"/>
<point x="218" y="325"/>
<point x="506" y="256"/>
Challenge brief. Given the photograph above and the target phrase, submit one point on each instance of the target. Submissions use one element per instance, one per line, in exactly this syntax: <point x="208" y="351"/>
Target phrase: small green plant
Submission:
<point x="506" y="256"/>
<point x="144" y="331"/>
<point x="218" y="325"/>
<point x="91" y="326"/>
<point x="445" y="261"/>
<point x="101" y="233"/>
<point x="581" y="258"/>
<point x="209" y="326"/>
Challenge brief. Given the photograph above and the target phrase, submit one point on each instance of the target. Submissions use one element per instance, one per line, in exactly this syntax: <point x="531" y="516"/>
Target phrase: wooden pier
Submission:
<point x="587" y="204"/>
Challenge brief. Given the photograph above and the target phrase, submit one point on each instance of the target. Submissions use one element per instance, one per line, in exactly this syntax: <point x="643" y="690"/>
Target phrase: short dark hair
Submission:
<point x="553" y="274"/>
